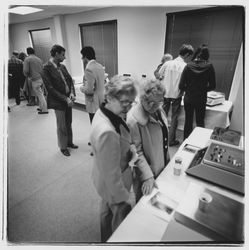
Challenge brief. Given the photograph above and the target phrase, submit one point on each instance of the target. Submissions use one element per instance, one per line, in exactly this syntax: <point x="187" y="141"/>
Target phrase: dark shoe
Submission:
<point x="65" y="152"/>
<point x="72" y="146"/>
<point x="38" y="109"/>
<point x="91" y="153"/>
<point x="89" y="144"/>
<point x="174" y="143"/>
<point x="41" y="112"/>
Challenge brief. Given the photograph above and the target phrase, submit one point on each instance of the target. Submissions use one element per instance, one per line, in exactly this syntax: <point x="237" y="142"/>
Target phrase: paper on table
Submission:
<point x="160" y="204"/>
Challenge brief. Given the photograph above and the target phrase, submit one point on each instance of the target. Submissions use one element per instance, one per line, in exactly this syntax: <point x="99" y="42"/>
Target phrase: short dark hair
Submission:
<point x="88" y="52"/>
<point x="202" y="52"/>
<point x="56" y="49"/>
<point x="186" y="49"/>
<point x="30" y="51"/>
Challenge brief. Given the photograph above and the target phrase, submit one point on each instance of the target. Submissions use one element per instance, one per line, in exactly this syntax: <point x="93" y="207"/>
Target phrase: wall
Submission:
<point x="19" y="33"/>
<point x="141" y="35"/>
<point x="237" y="96"/>
<point x="140" y="32"/>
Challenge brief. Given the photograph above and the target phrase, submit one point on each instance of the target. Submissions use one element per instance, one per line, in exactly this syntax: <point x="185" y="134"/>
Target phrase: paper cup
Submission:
<point x="204" y="200"/>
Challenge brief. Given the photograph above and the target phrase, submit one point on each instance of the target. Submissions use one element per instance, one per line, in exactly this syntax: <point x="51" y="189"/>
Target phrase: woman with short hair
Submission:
<point x="111" y="145"/>
<point x="149" y="133"/>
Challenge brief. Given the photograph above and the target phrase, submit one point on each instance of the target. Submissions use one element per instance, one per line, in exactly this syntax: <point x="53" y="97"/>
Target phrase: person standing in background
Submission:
<point x="15" y="76"/>
<point x="93" y="82"/>
<point x="170" y="73"/>
<point x="165" y="58"/>
<point x="27" y="88"/>
<point x="32" y="68"/>
<point x="111" y="144"/>
<point x="198" y="77"/>
<point x="61" y="96"/>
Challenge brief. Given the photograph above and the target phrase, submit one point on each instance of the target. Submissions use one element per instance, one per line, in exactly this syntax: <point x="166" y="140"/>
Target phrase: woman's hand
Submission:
<point x="148" y="186"/>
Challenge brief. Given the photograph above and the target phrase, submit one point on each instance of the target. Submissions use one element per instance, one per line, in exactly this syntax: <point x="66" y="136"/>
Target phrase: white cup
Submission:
<point x="204" y="200"/>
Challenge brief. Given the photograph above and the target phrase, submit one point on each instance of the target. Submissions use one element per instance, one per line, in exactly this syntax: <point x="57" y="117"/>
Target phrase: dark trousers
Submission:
<point x="175" y="111"/>
<point x="199" y="108"/>
<point x="14" y="89"/>
<point x="111" y="217"/>
<point x="64" y="127"/>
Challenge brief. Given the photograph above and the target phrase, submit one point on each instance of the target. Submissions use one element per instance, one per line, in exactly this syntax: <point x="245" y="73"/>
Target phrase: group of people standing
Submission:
<point x="24" y="71"/>
<point x="129" y="139"/>
<point x="192" y="75"/>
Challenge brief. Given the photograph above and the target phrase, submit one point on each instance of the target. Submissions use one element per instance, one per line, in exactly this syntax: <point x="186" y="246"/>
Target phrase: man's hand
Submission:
<point x="148" y="186"/>
<point x="69" y="102"/>
<point x="72" y="97"/>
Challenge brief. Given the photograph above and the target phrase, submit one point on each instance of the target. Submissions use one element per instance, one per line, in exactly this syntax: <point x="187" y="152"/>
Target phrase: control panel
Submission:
<point x="225" y="157"/>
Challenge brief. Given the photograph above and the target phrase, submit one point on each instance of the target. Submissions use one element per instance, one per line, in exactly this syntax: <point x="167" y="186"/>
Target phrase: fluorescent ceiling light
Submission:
<point x="24" y="10"/>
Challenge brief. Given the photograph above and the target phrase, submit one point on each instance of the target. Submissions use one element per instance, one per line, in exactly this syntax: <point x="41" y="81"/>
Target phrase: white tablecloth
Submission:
<point x="143" y="226"/>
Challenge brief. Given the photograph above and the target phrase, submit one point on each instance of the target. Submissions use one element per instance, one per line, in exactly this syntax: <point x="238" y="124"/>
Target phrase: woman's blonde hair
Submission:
<point x="151" y="87"/>
<point x="120" y="85"/>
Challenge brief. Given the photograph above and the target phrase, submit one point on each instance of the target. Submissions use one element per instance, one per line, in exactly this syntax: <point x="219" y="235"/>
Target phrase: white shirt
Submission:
<point x="171" y="72"/>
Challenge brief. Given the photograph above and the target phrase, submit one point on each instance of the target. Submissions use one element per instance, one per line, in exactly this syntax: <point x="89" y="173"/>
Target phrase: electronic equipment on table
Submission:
<point x="215" y="98"/>
<point x="220" y="164"/>
<point x="223" y="217"/>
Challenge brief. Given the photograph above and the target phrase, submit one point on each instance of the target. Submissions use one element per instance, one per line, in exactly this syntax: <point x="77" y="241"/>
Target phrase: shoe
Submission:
<point x="174" y="143"/>
<point x="89" y="144"/>
<point x="41" y="112"/>
<point x="65" y="152"/>
<point x="38" y="109"/>
<point x="72" y="146"/>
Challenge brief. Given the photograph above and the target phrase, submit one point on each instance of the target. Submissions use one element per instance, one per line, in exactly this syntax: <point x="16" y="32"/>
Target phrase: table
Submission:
<point x="80" y="97"/>
<point x="143" y="226"/>
<point x="217" y="116"/>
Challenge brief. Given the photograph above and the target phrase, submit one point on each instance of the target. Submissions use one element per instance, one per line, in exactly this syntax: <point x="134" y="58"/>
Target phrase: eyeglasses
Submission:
<point x="125" y="102"/>
<point x="155" y="103"/>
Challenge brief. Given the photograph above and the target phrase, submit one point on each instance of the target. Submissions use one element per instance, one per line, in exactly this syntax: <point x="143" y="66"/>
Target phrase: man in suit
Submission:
<point x="93" y="81"/>
<point x="61" y="95"/>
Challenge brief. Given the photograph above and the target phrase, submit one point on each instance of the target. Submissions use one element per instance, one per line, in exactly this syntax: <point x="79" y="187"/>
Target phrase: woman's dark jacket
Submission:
<point x="198" y="77"/>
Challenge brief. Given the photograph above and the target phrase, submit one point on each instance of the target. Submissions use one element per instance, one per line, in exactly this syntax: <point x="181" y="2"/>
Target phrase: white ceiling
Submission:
<point x="53" y="10"/>
<point x="49" y="11"/>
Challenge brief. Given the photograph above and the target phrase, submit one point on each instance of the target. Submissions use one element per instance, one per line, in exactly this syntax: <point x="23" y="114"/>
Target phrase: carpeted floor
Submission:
<point x="51" y="198"/>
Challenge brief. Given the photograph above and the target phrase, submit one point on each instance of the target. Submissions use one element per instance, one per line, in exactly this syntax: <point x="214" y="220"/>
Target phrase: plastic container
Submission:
<point x="178" y="166"/>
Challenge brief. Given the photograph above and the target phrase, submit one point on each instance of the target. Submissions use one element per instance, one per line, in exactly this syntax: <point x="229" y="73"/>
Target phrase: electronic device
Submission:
<point x="222" y="220"/>
<point x="220" y="164"/>
<point x="215" y="98"/>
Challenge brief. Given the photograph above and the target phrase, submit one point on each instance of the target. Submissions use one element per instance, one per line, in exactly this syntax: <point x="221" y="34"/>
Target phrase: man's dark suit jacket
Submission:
<point x="57" y="97"/>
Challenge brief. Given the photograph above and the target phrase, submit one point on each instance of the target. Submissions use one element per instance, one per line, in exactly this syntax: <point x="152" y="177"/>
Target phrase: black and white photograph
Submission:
<point x="108" y="107"/>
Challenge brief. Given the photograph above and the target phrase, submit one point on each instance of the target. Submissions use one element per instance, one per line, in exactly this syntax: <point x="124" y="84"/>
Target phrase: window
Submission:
<point x="41" y="42"/>
<point x="221" y="28"/>
<point x="102" y="36"/>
